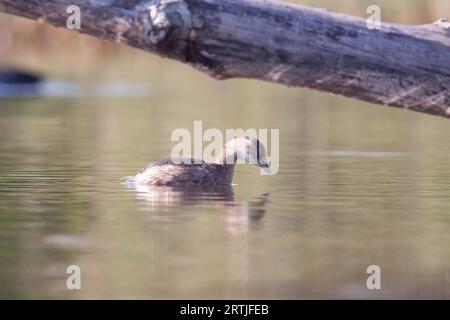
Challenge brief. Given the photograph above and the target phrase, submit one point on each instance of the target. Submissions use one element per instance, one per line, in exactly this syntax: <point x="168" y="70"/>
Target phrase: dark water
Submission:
<point x="358" y="185"/>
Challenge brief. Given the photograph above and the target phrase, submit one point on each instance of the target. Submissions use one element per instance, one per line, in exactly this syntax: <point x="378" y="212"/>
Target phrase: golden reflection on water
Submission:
<point x="358" y="185"/>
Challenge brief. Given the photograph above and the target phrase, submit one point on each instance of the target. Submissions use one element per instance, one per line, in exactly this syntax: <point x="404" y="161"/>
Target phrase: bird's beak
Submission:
<point x="266" y="168"/>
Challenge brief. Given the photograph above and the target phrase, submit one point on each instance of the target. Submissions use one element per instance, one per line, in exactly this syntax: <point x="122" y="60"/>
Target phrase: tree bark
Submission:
<point x="397" y="65"/>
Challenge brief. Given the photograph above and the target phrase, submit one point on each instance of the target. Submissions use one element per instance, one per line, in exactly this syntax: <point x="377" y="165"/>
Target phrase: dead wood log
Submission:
<point x="397" y="65"/>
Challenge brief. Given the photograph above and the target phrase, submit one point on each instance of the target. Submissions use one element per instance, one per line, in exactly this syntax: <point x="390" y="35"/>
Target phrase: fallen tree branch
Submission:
<point x="397" y="65"/>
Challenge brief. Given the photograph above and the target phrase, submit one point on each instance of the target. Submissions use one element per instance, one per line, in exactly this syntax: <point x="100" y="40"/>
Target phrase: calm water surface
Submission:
<point x="358" y="185"/>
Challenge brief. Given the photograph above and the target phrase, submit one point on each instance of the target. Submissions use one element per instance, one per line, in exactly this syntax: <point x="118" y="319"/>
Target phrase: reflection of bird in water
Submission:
<point x="164" y="196"/>
<point x="238" y="216"/>
<point x="190" y="172"/>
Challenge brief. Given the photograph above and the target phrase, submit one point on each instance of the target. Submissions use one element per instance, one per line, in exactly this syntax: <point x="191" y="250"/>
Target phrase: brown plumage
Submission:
<point x="190" y="172"/>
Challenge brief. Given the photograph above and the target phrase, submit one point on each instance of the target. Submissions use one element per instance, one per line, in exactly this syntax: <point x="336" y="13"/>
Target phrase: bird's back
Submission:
<point x="177" y="172"/>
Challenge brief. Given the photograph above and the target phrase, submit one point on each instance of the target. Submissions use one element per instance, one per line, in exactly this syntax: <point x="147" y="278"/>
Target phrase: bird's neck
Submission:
<point x="227" y="157"/>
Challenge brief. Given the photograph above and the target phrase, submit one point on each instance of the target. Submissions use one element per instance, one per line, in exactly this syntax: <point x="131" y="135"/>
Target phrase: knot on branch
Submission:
<point x="442" y="23"/>
<point x="167" y="23"/>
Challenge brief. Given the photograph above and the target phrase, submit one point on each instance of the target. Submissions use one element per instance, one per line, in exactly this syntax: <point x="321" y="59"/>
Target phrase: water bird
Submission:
<point x="190" y="172"/>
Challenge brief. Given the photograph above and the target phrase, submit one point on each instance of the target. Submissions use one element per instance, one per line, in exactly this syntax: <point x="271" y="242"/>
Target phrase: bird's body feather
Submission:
<point x="175" y="172"/>
<point x="172" y="172"/>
